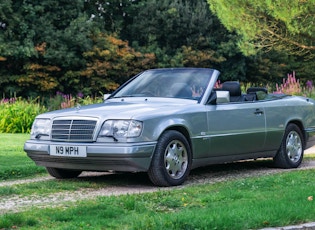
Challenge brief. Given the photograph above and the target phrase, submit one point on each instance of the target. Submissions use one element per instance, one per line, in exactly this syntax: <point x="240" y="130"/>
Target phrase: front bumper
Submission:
<point x="124" y="157"/>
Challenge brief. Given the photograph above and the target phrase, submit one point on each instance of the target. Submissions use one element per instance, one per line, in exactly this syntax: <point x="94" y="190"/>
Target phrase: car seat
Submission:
<point x="235" y="90"/>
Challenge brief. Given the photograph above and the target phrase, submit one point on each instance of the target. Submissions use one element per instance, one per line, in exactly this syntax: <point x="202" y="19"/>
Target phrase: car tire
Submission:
<point x="63" y="173"/>
<point x="171" y="161"/>
<point x="290" y="153"/>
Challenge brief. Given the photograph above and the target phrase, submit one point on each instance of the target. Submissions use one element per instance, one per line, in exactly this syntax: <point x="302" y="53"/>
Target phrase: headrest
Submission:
<point x="256" y="89"/>
<point x="233" y="87"/>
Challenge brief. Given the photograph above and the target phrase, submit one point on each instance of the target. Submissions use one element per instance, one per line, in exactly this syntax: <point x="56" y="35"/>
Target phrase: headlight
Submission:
<point x="121" y="128"/>
<point x="41" y="127"/>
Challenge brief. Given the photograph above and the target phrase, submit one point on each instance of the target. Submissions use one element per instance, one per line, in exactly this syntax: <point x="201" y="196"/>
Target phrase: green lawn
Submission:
<point x="281" y="199"/>
<point x="252" y="203"/>
<point x="14" y="162"/>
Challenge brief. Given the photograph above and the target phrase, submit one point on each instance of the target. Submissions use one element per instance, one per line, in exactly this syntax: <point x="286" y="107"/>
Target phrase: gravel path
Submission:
<point x="135" y="184"/>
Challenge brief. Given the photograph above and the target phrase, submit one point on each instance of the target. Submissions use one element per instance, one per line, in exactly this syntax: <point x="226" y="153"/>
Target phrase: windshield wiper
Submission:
<point x="125" y="96"/>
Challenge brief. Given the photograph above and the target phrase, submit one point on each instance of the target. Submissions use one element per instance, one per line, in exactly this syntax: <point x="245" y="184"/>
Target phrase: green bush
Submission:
<point x="17" y="115"/>
<point x="63" y="101"/>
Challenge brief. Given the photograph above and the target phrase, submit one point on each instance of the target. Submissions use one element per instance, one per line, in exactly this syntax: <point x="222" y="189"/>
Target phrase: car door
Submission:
<point x="236" y="128"/>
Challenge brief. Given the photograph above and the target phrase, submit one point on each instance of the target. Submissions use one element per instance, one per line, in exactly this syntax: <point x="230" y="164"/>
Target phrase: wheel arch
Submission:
<point x="299" y="123"/>
<point x="183" y="130"/>
<point x="165" y="174"/>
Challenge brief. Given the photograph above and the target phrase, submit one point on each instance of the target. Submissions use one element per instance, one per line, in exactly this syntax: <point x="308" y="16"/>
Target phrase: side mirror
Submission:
<point x="223" y="97"/>
<point x="219" y="97"/>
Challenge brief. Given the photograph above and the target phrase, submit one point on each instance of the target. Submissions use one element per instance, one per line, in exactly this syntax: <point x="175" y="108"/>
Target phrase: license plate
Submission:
<point x="67" y="151"/>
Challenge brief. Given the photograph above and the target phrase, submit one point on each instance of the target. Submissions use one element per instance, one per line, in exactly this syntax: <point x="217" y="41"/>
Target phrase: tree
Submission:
<point x="95" y="45"/>
<point x="112" y="16"/>
<point x="40" y="41"/>
<point x="111" y="62"/>
<point x="184" y="33"/>
<point x="171" y="24"/>
<point x="283" y="25"/>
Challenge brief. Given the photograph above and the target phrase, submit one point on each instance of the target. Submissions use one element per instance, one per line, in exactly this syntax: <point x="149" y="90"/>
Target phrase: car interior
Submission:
<point x="235" y="93"/>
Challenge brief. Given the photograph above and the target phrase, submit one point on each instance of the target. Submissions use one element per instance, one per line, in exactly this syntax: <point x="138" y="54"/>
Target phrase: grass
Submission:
<point x="14" y="162"/>
<point x="99" y="181"/>
<point x="251" y="203"/>
<point x="48" y="187"/>
<point x="248" y="203"/>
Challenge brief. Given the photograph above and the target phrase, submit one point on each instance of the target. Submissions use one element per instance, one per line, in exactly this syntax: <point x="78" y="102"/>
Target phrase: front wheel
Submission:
<point x="171" y="161"/>
<point x="290" y="153"/>
<point x="63" y="173"/>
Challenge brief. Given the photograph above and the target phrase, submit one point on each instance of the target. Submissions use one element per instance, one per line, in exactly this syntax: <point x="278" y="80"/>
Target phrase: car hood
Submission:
<point x="125" y="109"/>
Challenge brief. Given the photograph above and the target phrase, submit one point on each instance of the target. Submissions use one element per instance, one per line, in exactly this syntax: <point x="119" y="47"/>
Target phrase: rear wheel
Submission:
<point x="63" y="173"/>
<point x="290" y="154"/>
<point x="171" y="161"/>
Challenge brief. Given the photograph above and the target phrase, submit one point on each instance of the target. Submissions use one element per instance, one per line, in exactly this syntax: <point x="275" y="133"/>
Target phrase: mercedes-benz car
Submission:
<point x="168" y="121"/>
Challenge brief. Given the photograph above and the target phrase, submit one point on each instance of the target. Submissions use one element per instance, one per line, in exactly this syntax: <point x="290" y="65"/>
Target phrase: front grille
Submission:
<point x="73" y="130"/>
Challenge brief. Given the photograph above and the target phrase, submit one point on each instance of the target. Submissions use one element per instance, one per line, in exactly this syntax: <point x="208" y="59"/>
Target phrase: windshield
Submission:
<point x="187" y="83"/>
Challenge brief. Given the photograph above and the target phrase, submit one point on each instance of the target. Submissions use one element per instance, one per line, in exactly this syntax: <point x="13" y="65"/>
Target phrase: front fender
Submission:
<point x="194" y="123"/>
<point x="169" y="123"/>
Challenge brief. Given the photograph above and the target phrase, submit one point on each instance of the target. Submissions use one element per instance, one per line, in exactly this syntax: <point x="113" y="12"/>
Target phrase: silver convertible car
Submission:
<point x="168" y="121"/>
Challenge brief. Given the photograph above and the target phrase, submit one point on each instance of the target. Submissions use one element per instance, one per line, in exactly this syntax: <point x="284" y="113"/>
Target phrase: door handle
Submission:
<point x="258" y="112"/>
